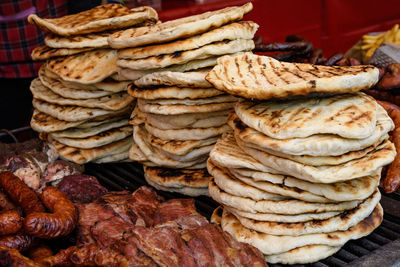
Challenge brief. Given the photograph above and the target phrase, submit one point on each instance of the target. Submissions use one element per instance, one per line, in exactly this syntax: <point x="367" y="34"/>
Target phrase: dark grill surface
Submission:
<point x="381" y="248"/>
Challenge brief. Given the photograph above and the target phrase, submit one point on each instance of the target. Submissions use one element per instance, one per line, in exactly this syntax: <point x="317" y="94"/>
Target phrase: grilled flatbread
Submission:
<point x="82" y="156"/>
<point x="287" y="207"/>
<point x="97" y="19"/>
<point x="173" y="92"/>
<point x="349" y="116"/>
<point x="233" y="31"/>
<point x="45" y="52"/>
<point x="341" y="222"/>
<point x="54" y="84"/>
<point x="303" y="255"/>
<point x="179" y="79"/>
<point x="94" y="40"/>
<point x="172" y="109"/>
<point x="113" y="158"/>
<point x="178" y="177"/>
<point x="354" y="189"/>
<point x="41" y="122"/>
<point x="315" y="145"/>
<point x="86" y="68"/>
<point x="101" y="139"/>
<point x="193" y="102"/>
<point x="261" y="77"/>
<point x="272" y="244"/>
<point x="90" y="131"/>
<point x="272" y="217"/>
<point x="184" y="190"/>
<point x="75" y="113"/>
<point x="365" y="166"/>
<point x="179" y="28"/>
<point x="238" y="187"/>
<point x="182" y="57"/>
<point x="187" y="133"/>
<point x="130" y="74"/>
<point x="114" y="102"/>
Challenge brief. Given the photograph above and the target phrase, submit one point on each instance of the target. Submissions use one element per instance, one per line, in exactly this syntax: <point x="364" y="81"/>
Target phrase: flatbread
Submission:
<point x="227" y="153"/>
<point x="232" y="31"/>
<point x="161" y="122"/>
<point x="98" y="140"/>
<point x="154" y="155"/>
<point x="179" y="28"/>
<point x="107" y="84"/>
<point x="113" y="158"/>
<point x="348" y="115"/>
<point x="287" y="207"/>
<point x="193" y="102"/>
<point x="41" y="122"/>
<point x="177" y="178"/>
<point x="179" y="148"/>
<point x="61" y="89"/>
<point x="90" y="131"/>
<point x="261" y="77"/>
<point x="114" y="102"/>
<point x="182" y="57"/>
<point x="175" y="109"/>
<point x="193" y="65"/>
<point x="44" y="52"/>
<point x="365" y="166"/>
<point x="237" y="188"/>
<point x="180" y="79"/>
<point x="136" y="154"/>
<point x="173" y="92"/>
<point x="280" y="189"/>
<point x="340" y="222"/>
<point x="272" y="217"/>
<point x="97" y="19"/>
<point x="187" y="133"/>
<point x="315" y="145"/>
<point x="86" y="68"/>
<point x="82" y="156"/>
<point x="189" y="191"/>
<point x="272" y="244"/>
<point x="354" y="189"/>
<point x="74" y="113"/>
<point x="303" y="255"/>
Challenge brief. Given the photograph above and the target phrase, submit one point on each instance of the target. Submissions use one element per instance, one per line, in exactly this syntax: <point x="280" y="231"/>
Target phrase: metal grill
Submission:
<point x="381" y="248"/>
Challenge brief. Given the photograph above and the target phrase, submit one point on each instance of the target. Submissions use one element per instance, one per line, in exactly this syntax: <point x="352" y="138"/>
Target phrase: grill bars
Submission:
<point x="382" y="247"/>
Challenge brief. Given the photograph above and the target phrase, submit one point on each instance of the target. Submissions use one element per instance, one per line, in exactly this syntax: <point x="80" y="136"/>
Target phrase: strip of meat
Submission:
<point x="61" y="259"/>
<point x="60" y="222"/>
<point x="11" y="257"/>
<point x="20" y="193"/>
<point x="391" y="77"/>
<point x="20" y="241"/>
<point x="40" y="252"/>
<point x="333" y="59"/>
<point x="315" y="56"/>
<point x="289" y="46"/>
<point x="10" y="222"/>
<point x="392" y="180"/>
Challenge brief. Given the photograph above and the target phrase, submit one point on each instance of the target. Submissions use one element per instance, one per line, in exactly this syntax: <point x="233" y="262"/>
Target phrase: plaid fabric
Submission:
<point x="18" y="38"/>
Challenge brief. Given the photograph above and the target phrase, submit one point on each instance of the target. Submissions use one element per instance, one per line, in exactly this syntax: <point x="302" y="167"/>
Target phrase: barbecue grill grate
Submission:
<point x="382" y="247"/>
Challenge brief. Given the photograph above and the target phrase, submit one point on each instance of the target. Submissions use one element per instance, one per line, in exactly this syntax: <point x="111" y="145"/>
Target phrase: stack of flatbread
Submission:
<point x="80" y="104"/>
<point x="179" y="115"/>
<point x="298" y="178"/>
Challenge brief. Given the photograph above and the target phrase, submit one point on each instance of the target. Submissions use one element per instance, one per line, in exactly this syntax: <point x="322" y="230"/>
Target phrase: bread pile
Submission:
<point x="80" y="104"/>
<point x="298" y="177"/>
<point x="179" y="115"/>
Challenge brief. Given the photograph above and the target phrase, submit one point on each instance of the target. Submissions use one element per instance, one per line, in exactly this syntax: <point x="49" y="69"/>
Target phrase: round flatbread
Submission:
<point x="177" y="178"/>
<point x="173" y="92"/>
<point x="315" y="145"/>
<point x="287" y="207"/>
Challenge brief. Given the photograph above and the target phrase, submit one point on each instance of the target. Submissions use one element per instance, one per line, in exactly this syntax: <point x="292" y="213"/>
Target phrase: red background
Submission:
<point x="333" y="25"/>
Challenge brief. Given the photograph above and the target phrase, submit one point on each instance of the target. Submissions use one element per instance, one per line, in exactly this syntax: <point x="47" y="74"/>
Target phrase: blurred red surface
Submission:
<point x="333" y="25"/>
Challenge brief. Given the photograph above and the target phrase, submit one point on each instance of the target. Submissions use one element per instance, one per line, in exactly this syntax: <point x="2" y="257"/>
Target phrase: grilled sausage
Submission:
<point x="10" y="222"/>
<point x="392" y="180"/>
<point x="12" y="257"/>
<point x="333" y="59"/>
<point x="20" y="193"/>
<point x="5" y="202"/>
<point x="60" y="222"/>
<point x="20" y="242"/>
<point x="40" y="252"/>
